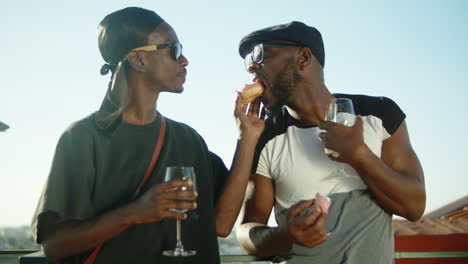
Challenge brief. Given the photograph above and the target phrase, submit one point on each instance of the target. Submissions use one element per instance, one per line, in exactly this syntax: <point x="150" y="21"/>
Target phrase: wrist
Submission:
<point x="129" y="218"/>
<point x="360" y="155"/>
<point x="248" y="137"/>
<point x="285" y="235"/>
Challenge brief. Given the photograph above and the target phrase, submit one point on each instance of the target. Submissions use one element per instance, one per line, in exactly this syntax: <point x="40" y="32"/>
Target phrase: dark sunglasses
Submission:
<point x="176" y="49"/>
<point x="256" y="56"/>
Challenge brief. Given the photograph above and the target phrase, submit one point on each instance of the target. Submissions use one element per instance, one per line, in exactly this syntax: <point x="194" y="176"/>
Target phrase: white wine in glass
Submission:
<point x="341" y="111"/>
<point x="183" y="173"/>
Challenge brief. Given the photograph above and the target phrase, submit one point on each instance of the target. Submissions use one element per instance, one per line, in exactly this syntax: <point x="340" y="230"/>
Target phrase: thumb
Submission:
<point x="358" y="123"/>
<point x="297" y="208"/>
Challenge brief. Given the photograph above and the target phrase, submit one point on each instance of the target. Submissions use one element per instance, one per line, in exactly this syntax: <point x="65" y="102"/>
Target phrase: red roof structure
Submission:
<point x="445" y="229"/>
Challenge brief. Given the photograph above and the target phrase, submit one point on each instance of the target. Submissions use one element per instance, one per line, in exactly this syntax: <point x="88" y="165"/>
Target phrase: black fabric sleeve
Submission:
<point x="393" y="116"/>
<point x="69" y="187"/>
<point x="220" y="175"/>
<point x="381" y="107"/>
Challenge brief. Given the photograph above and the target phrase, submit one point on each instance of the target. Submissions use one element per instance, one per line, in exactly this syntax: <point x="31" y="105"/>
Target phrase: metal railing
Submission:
<point x="37" y="257"/>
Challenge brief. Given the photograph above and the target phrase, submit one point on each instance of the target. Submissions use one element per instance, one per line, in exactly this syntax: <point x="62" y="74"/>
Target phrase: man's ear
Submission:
<point x="136" y="61"/>
<point x="305" y="58"/>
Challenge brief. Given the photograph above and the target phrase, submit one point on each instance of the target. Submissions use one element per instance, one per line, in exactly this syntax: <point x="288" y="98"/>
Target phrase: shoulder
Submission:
<point x="182" y="130"/>
<point x="178" y="126"/>
<point x="80" y="131"/>
<point x="381" y="107"/>
<point x="275" y="125"/>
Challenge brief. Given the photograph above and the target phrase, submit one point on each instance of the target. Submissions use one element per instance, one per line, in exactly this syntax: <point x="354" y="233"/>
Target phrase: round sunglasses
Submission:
<point x="257" y="54"/>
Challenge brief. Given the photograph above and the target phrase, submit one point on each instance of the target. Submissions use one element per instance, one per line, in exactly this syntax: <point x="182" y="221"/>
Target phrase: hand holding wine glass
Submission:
<point x="181" y="173"/>
<point x="341" y="111"/>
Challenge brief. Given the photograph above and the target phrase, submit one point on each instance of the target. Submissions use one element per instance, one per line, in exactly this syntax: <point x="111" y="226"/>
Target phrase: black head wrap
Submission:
<point x="119" y="33"/>
<point x="123" y="30"/>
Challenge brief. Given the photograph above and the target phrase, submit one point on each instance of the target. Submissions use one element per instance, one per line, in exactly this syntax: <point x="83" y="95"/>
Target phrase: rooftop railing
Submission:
<point x="37" y="257"/>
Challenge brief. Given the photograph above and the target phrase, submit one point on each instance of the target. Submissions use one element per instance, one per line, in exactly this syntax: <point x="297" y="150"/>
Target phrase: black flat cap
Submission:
<point x="296" y="32"/>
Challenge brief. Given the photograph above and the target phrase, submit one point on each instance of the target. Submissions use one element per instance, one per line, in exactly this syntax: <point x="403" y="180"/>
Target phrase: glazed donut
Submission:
<point x="250" y="92"/>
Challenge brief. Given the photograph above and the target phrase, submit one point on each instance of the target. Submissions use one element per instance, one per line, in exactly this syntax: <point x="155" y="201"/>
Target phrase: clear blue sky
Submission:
<point x="411" y="51"/>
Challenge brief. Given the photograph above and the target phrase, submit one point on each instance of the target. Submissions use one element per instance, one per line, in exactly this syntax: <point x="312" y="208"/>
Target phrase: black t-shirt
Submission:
<point x="96" y="171"/>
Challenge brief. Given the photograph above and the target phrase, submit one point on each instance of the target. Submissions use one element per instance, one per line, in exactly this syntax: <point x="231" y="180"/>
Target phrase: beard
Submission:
<point x="283" y="87"/>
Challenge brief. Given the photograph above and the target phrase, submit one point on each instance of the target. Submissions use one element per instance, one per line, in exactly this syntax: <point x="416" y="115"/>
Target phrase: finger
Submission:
<point x="310" y="219"/>
<point x="358" y="122"/>
<point x="325" y="125"/>
<point x="181" y="204"/>
<point x="179" y="194"/>
<point x="251" y="109"/>
<point x="317" y="241"/>
<point x="297" y="208"/>
<point x="174" y="184"/>
<point x="256" y="106"/>
<point x="238" y="104"/>
<point x="174" y="215"/>
<point x="321" y="220"/>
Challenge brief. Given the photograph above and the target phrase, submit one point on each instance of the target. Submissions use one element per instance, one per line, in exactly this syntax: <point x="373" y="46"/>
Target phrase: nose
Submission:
<point x="253" y="67"/>
<point x="183" y="60"/>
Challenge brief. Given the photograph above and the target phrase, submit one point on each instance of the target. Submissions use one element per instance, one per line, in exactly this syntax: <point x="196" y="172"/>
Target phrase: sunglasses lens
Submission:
<point x="248" y="61"/>
<point x="176" y="51"/>
<point x="257" y="54"/>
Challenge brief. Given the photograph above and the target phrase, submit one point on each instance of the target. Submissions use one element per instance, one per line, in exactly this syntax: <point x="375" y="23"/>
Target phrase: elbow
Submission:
<point x="247" y="244"/>
<point x="414" y="217"/>
<point x="223" y="231"/>
<point x="416" y="210"/>
<point x="415" y="214"/>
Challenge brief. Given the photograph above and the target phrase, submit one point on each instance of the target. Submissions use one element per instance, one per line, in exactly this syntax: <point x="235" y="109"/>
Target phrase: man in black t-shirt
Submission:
<point x="370" y="173"/>
<point x="101" y="160"/>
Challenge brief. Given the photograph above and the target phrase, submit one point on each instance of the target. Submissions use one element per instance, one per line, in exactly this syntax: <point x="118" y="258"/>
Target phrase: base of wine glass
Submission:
<point x="179" y="253"/>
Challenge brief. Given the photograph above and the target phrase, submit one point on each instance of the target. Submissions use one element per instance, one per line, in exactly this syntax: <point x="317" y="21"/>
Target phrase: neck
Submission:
<point x="310" y="101"/>
<point x="142" y="100"/>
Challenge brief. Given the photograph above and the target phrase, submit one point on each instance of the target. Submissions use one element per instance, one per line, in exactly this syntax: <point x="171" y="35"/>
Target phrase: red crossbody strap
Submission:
<point x="154" y="159"/>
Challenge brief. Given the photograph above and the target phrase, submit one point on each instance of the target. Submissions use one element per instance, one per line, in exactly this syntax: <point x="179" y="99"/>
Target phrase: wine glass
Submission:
<point x="341" y="111"/>
<point x="184" y="173"/>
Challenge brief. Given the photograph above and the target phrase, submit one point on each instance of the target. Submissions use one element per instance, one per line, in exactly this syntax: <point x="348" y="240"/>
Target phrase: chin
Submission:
<point x="177" y="90"/>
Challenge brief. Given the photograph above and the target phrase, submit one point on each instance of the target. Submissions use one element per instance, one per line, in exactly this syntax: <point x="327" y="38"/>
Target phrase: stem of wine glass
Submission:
<point x="179" y="247"/>
<point x="178" y="231"/>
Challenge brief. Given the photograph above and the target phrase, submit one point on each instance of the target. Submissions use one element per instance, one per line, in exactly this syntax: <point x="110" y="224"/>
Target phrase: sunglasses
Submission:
<point x="176" y="49"/>
<point x="257" y="54"/>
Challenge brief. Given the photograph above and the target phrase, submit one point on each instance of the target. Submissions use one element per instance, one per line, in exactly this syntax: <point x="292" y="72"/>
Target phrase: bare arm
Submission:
<point x="65" y="238"/>
<point x="251" y="126"/>
<point x="396" y="179"/>
<point x="256" y="238"/>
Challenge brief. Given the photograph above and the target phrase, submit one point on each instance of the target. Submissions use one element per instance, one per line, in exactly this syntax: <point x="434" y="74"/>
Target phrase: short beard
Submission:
<point x="283" y="87"/>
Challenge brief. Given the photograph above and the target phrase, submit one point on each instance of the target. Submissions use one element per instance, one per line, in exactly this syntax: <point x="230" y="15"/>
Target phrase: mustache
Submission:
<point x="183" y="73"/>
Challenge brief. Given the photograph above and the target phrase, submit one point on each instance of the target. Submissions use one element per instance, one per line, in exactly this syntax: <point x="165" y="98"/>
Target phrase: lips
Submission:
<point x="182" y="74"/>
<point x="256" y="79"/>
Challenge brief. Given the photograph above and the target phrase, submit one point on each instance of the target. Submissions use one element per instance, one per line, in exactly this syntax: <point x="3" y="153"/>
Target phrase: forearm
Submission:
<point x="230" y="202"/>
<point x="398" y="192"/>
<point x="71" y="238"/>
<point x="261" y="240"/>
